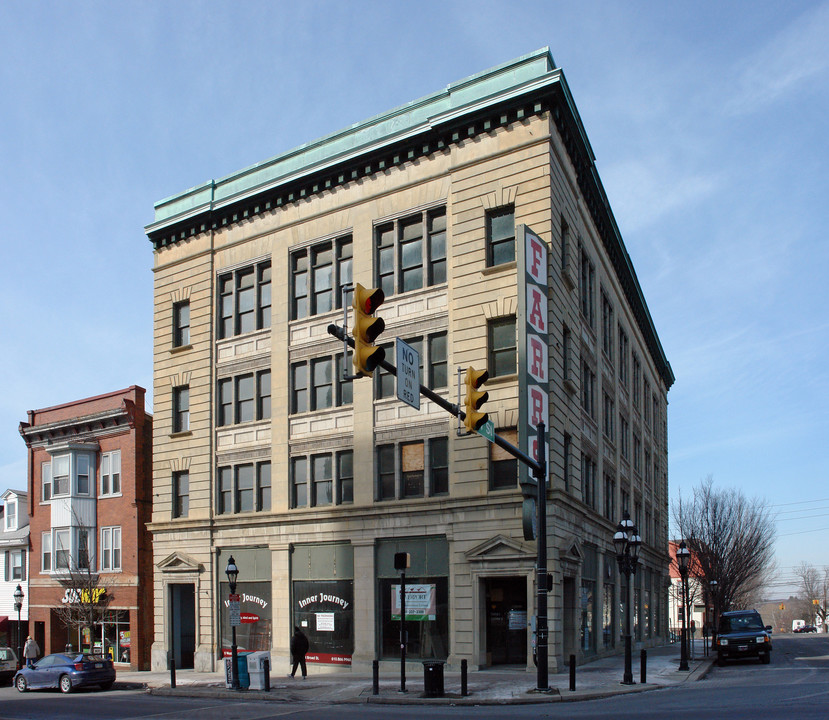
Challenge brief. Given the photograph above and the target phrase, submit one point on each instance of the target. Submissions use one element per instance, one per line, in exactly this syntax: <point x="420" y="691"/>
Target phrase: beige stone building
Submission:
<point x="313" y="482"/>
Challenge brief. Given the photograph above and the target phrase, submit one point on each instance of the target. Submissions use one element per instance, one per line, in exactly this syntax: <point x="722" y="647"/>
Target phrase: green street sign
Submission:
<point x="487" y="430"/>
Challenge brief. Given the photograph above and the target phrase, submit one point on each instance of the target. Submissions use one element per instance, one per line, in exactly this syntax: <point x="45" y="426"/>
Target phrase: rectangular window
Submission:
<point x="83" y="549"/>
<point x="637" y="453"/>
<point x="244" y="398"/>
<point x="609" y="497"/>
<point x="46" y="552"/>
<point x="588" y="480"/>
<point x="624" y="435"/>
<point x="181" y="409"/>
<point x="318" y="275"/>
<point x="46" y="481"/>
<point x="500" y="236"/>
<point x="263" y="395"/>
<point x="62" y="546"/>
<point x="343" y="386"/>
<point x="503" y="355"/>
<point x="245" y="390"/>
<point x="608" y="325"/>
<point x="82" y="474"/>
<point x="60" y="475"/>
<point x="299" y="482"/>
<point x="345" y="477"/>
<point x="224" y="496"/>
<point x="646" y="405"/>
<point x="410" y="252"/>
<point x="263" y="486"/>
<point x="385" y="473"/>
<point x="110" y="473"/>
<point x="437" y="246"/>
<point x="623" y="357"/>
<point x="224" y="402"/>
<point x="11" y="514"/>
<point x="326" y="384"/>
<point x="637" y="380"/>
<point x="439" y="466"/>
<point x="322" y="480"/>
<point x="438" y="365"/>
<point x="588" y="389"/>
<point x="243" y="488"/>
<point x="110" y="549"/>
<point x="181" y="323"/>
<point x="181" y="494"/>
<point x="503" y="467"/>
<point x="567" y="452"/>
<point x="587" y="290"/>
<point x="18" y="565"/>
<point x="608" y="418"/>
<point x="412" y="463"/>
<point x="244" y="300"/>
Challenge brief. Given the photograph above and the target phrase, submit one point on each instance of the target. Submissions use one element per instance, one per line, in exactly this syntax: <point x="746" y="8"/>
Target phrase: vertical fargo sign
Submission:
<point x="533" y="349"/>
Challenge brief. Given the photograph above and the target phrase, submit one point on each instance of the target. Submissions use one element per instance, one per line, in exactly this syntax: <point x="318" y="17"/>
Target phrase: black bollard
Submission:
<point x="171" y="661"/>
<point x="266" y="666"/>
<point x="643" y="666"/>
<point x="464" y="670"/>
<point x="572" y="673"/>
<point x="375" y="677"/>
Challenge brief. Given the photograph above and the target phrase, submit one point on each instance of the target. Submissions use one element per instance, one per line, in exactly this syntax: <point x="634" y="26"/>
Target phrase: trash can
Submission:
<point x="256" y="669"/>
<point x="433" y="678"/>
<point x="242" y="664"/>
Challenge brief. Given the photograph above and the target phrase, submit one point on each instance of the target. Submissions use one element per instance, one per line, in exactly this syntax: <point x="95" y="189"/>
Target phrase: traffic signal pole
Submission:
<point x="539" y="469"/>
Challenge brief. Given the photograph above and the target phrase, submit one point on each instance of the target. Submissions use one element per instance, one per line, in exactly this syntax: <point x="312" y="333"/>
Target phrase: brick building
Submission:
<point x="90" y="495"/>
<point x="313" y="482"/>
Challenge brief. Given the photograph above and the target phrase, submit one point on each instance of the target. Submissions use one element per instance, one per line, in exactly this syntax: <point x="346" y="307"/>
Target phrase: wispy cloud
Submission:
<point x="794" y="56"/>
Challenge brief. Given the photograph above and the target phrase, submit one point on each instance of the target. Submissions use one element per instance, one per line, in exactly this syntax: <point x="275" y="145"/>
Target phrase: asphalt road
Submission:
<point x="794" y="687"/>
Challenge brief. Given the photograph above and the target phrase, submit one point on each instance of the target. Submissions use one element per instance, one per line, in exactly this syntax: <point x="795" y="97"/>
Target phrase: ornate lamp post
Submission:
<point x="627" y="542"/>
<point x="18" y="605"/>
<point x="232" y="573"/>
<point x="682" y="557"/>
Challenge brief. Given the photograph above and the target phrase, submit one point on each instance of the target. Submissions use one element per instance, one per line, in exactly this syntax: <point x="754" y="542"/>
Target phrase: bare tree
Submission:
<point x="731" y="539"/>
<point x="814" y="586"/>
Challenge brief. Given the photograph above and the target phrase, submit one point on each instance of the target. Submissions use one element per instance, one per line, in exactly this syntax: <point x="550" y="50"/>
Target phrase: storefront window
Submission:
<point x="254" y="589"/>
<point x="110" y="638"/>
<point x="322" y="603"/>
<point x="427" y="598"/>
<point x="608" y="624"/>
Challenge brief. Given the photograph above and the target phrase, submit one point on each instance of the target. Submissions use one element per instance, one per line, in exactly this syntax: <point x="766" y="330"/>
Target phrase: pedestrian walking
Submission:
<point x="30" y="651"/>
<point x="299" y="646"/>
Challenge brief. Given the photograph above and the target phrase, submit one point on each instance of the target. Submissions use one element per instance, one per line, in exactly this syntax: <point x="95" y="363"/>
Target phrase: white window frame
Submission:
<point x="11" y="514"/>
<point x="110" y="559"/>
<point x="46" y="552"/>
<point x="110" y="470"/>
<point x="61" y="547"/>
<point x="16" y="573"/>
<point x="80" y="460"/>
<point x="45" y="481"/>
<point x="56" y="461"/>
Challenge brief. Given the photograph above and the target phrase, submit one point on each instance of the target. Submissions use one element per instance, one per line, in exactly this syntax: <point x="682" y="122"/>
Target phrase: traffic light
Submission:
<point x="366" y="329"/>
<point x="474" y="420"/>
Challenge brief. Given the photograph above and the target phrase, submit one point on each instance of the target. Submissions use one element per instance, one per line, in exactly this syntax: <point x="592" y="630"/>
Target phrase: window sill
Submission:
<point x="180" y="434"/>
<point x="503" y="267"/>
<point x="103" y="496"/>
<point x="180" y="349"/>
<point x="501" y="380"/>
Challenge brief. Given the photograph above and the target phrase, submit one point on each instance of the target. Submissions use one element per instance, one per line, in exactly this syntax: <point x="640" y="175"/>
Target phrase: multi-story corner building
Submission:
<point x="90" y="498"/>
<point x="14" y="558"/>
<point x="312" y="481"/>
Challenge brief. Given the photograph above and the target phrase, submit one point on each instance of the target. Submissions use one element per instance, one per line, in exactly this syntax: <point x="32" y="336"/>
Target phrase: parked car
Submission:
<point x="806" y="629"/>
<point x="8" y="664"/>
<point x="742" y="634"/>
<point x="67" y="672"/>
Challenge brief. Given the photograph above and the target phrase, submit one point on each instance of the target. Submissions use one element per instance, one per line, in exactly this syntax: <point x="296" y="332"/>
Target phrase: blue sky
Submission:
<point x="708" y="121"/>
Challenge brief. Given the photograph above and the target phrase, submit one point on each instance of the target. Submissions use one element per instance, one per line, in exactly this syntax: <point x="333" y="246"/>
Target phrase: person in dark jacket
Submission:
<point x="299" y="646"/>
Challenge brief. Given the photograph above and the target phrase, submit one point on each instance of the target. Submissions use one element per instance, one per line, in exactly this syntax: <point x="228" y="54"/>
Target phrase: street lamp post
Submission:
<point x="18" y="605"/>
<point x="714" y="585"/>
<point x="232" y="573"/>
<point x="682" y="556"/>
<point x="627" y="542"/>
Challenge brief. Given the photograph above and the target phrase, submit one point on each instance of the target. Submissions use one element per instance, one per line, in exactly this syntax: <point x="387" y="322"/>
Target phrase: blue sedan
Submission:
<point x="66" y="672"/>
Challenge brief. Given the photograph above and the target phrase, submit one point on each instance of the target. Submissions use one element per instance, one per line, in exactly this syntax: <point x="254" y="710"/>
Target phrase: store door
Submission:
<point x="183" y="629"/>
<point x="506" y="621"/>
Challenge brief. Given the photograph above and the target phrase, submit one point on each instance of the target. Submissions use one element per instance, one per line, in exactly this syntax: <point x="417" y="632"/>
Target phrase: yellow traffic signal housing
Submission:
<point x="366" y="329"/>
<point x="475" y="398"/>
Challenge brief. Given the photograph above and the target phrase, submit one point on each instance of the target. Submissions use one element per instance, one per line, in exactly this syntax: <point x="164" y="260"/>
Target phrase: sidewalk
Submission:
<point x="485" y="687"/>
